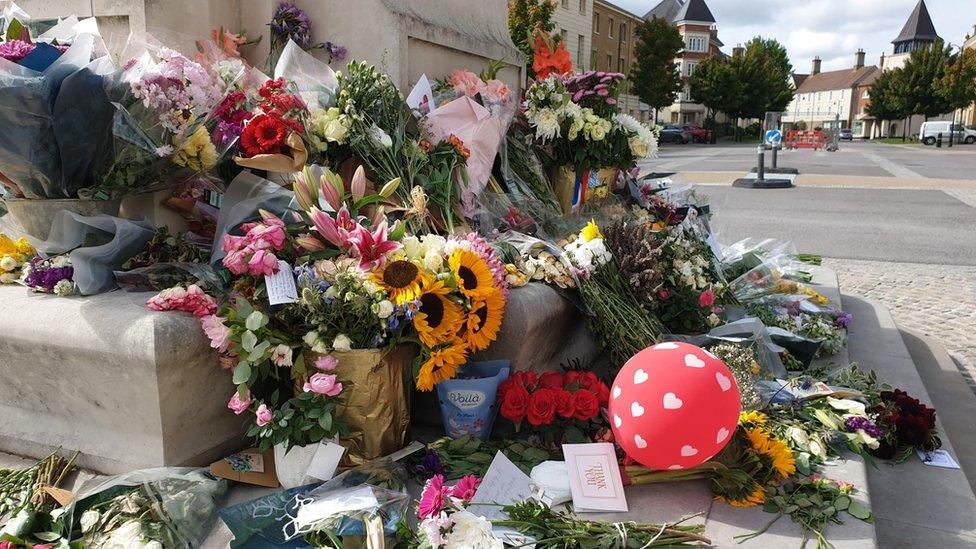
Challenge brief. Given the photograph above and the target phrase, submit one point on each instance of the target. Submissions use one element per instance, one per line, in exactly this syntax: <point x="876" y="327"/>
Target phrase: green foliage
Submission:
<point x="920" y="79"/>
<point x="654" y="77"/>
<point x="958" y="85"/>
<point x="888" y="97"/>
<point x="524" y="17"/>
<point x="300" y="421"/>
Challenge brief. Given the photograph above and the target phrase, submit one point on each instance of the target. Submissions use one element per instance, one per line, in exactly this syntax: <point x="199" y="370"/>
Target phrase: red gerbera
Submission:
<point x="263" y="135"/>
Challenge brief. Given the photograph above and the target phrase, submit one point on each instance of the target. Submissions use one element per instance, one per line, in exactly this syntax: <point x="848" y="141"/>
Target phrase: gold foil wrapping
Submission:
<point x="283" y="163"/>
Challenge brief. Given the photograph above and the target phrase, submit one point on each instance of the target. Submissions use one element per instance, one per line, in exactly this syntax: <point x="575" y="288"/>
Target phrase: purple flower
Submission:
<point x="15" y="50"/>
<point x="859" y="423"/>
<point x="291" y="22"/>
<point x="43" y="276"/>
<point x="843" y="320"/>
<point x="225" y="132"/>
<point x="430" y="466"/>
<point x="336" y="52"/>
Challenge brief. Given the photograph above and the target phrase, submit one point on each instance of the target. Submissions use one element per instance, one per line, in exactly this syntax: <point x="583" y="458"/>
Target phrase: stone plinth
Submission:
<point x="128" y="387"/>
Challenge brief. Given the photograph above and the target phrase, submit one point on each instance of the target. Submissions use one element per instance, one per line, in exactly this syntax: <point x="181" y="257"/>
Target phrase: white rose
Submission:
<point x="88" y="520"/>
<point x="411" y="246"/>
<point x="434" y="242"/>
<point x="153" y="545"/>
<point x="384" y="309"/>
<point x="8" y="263"/>
<point x="638" y="147"/>
<point x="433" y="261"/>
<point x="342" y="343"/>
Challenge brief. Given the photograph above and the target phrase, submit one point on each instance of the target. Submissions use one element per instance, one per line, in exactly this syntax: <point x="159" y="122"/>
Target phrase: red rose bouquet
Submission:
<point x="907" y="424"/>
<point x="560" y="407"/>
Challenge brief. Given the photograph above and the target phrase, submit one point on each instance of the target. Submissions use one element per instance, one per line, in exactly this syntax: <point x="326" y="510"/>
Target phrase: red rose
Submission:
<point x="587" y="404"/>
<point x="602" y="393"/>
<point x="565" y="403"/>
<point x="542" y="407"/>
<point x="551" y="380"/>
<point x="707" y="298"/>
<point x="530" y="380"/>
<point x="516" y="404"/>
<point x="588" y="379"/>
<point x="503" y="389"/>
<point x="663" y="294"/>
<point x="571" y="379"/>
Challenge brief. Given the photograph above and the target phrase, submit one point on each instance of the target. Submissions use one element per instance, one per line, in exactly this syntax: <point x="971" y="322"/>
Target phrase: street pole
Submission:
<point x="761" y="163"/>
<point x="773" y="159"/>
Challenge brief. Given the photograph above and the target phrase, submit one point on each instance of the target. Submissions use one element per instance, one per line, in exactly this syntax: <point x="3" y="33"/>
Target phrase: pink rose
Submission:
<point x="664" y="294"/>
<point x="323" y="384"/>
<point x="238" y="405"/>
<point x="326" y="363"/>
<point x="232" y="243"/>
<point x="235" y="262"/>
<point x="707" y="298"/>
<point x="218" y="333"/>
<point x="281" y="356"/>
<point x="262" y="263"/>
<point x="264" y="415"/>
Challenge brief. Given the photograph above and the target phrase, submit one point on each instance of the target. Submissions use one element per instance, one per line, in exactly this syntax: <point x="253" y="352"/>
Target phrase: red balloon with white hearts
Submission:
<point x="674" y="406"/>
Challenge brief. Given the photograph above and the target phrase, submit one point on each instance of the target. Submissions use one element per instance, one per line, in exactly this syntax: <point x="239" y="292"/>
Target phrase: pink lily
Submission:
<point x="303" y="193"/>
<point x="372" y="247"/>
<point x="359" y="184"/>
<point x="339" y="231"/>
<point x="330" y="183"/>
<point x="309" y="243"/>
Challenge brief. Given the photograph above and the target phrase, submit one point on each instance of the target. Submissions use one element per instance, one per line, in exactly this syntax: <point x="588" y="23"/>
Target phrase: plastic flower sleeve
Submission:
<point x="314" y="80"/>
<point x="245" y="195"/>
<point x="174" y="506"/>
<point x="160" y="276"/>
<point x="98" y="245"/>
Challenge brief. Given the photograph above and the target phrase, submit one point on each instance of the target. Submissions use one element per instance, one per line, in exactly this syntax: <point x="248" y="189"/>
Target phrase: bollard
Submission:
<point x="938" y="141"/>
<point x="773" y="159"/>
<point x="950" y="137"/>
<point x="761" y="163"/>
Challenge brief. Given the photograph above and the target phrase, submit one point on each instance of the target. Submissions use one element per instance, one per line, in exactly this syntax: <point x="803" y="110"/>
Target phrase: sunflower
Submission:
<point x="484" y="320"/>
<point x="471" y="273"/>
<point x="757" y="497"/>
<point x="442" y="364"/>
<point x="774" y="450"/>
<point x="438" y="319"/>
<point x="401" y="279"/>
<point x="752" y="417"/>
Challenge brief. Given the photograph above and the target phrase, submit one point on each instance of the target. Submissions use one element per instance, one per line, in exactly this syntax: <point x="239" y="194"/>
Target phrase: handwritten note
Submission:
<point x="421" y="97"/>
<point x="325" y="461"/>
<point x="503" y="484"/>
<point x="281" y="286"/>
<point x="594" y="477"/>
<point x="938" y="458"/>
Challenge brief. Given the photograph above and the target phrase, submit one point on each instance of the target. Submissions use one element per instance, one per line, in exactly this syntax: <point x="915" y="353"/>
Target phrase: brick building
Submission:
<point x="613" y="47"/>
<point x="826" y="99"/>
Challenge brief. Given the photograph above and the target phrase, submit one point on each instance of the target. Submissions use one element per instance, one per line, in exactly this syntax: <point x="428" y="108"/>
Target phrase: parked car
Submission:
<point x="929" y="132"/>
<point x="673" y="133"/>
<point x="846" y="134"/>
<point x="698" y="133"/>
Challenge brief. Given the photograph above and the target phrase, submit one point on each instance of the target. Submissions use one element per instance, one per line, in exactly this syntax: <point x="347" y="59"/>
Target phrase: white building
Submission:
<point x="573" y="20"/>
<point x="834" y="99"/>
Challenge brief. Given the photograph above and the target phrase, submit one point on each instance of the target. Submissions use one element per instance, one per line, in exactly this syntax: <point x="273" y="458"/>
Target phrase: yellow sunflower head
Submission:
<point x="752" y="417"/>
<point x="401" y="279"/>
<point x="590" y="231"/>
<point x="442" y="364"/>
<point x="438" y="319"/>
<point x="471" y="273"/>
<point x="484" y="320"/>
<point x="756" y="497"/>
<point x="774" y="451"/>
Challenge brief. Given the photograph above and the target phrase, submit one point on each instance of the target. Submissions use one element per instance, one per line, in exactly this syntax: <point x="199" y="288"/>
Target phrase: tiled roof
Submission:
<point x="666" y="9"/>
<point x="918" y="27"/>
<point x="835" y="80"/>
<point x="695" y="10"/>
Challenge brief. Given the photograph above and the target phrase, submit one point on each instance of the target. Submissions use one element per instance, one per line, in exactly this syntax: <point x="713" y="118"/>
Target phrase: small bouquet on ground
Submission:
<point x="469" y="455"/>
<point x="28" y="511"/>
<point x="14" y="254"/>
<point x="902" y="425"/>
<point x="52" y="275"/>
<point x="617" y="319"/>
<point x="560" y="407"/>
<point x="445" y="523"/>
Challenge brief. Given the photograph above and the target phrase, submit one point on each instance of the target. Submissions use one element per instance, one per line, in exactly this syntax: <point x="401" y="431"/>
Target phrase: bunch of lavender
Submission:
<point x="638" y="254"/>
<point x="52" y="275"/>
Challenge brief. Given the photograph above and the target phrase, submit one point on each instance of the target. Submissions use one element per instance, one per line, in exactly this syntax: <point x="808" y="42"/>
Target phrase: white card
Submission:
<point x="325" y="461"/>
<point x="938" y="458"/>
<point x="281" y="286"/>
<point x="594" y="477"/>
<point x="420" y="94"/>
<point x="503" y="484"/>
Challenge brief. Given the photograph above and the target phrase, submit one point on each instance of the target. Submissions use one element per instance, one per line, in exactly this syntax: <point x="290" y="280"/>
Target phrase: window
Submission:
<point x="609" y="62"/>
<point x="697" y="44"/>
<point x="620" y="64"/>
<point x="594" y="58"/>
<point x="562" y="32"/>
<point x="566" y="4"/>
<point x="582" y="6"/>
<point x="623" y="32"/>
<point x="596" y="23"/>
<point x="691" y="67"/>
<point x="866" y="95"/>
<point x="610" y="28"/>
<point x="579" y="49"/>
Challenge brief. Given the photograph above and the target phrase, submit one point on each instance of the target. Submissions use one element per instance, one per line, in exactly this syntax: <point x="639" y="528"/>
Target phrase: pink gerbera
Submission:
<point x="465" y="488"/>
<point x="433" y="497"/>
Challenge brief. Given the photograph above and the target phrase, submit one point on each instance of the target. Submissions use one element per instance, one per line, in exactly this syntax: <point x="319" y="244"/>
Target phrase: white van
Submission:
<point x="929" y="133"/>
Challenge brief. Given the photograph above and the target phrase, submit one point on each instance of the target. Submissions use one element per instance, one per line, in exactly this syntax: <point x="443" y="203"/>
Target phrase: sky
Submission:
<point x="832" y="29"/>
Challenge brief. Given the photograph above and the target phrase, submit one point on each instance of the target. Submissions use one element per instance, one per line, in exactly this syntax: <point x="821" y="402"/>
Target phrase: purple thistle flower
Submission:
<point x="858" y="423"/>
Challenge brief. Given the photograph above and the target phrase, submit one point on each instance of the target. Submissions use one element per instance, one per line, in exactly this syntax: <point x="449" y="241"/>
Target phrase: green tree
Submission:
<point x="920" y="78"/>
<point x="524" y="17"/>
<point x="713" y="85"/>
<point x="654" y="77"/>
<point x="888" y="97"/>
<point x="958" y="84"/>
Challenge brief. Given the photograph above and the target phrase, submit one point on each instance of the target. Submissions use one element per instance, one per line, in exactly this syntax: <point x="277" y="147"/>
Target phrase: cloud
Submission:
<point x="832" y="29"/>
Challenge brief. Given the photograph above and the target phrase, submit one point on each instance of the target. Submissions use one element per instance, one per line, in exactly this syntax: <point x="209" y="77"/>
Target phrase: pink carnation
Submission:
<point x="281" y="356"/>
<point x="323" y="384"/>
<point x="239" y="405"/>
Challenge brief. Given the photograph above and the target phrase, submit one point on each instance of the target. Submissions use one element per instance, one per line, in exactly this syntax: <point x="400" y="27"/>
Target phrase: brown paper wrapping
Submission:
<point x="563" y="179"/>
<point x="375" y="400"/>
<point x="295" y="162"/>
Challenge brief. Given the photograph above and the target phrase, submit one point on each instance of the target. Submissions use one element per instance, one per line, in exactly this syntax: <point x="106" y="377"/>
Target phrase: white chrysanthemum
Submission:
<point x="471" y="531"/>
<point x="546" y="124"/>
<point x="64" y="287"/>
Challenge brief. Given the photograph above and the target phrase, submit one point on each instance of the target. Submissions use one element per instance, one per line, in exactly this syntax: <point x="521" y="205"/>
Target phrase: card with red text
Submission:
<point x="594" y="477"/>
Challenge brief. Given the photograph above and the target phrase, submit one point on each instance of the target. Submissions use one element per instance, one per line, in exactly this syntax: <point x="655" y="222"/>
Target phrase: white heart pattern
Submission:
<point x="640" y="376"/>
<point x="640" y="442"/>
<point x="709" y="353"/>
<point x="663" y="346"/>
<point x="688" y="450"/>
<point x="616" y="391"/>
<point x="693" y="361"/>
<point x="636" y="409"/>
<point x="724" y="382"/>
<point x="720" y="437"/>
<point x="675" y="467"/>
<point x="672" y="402"/>
<point x="617" y="421"/>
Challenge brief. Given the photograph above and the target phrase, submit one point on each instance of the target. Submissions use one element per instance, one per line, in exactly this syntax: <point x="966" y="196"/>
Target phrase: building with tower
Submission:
<point x="918" y="32"/>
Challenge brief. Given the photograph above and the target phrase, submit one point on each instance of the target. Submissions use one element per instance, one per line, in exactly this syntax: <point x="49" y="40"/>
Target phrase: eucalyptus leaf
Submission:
<point x="242" y="373"/>
<point x="857" y="510"/>
<point x="254" y="321"/>
<point x="248" y="341"/>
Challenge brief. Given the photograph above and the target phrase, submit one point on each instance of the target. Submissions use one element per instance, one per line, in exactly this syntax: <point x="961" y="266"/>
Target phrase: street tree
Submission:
<point x="524" y="18"/>
<point x="714" y="86"/>
<point x="920" y="78"/>
<point x="887" y="99"/>
<point x="958" y="84"/>
<point x="654" y="77"/>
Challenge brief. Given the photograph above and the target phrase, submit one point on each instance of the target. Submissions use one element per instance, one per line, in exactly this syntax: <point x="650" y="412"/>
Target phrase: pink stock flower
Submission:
<point x="433" y="497"/>
<point x="465" y="488"/>
<point x="323" y="384"/>
<point x="239" y="405"/>
<point x="264" y="415"/>
<point x="372" y="247"/>
<point x="281" y="356"/>
<point x="326" y="363"/>
<point x="217" y="332"/>
<point x="707" y="298"/>
<point x="262" y="262"/>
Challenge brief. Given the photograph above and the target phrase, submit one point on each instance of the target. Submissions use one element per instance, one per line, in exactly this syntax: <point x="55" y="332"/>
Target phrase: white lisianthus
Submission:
<point x="342" y="343"/>
<point x="471" y="532"/>
<point x="384" y="309"/>
<point x="867" y="439"/>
